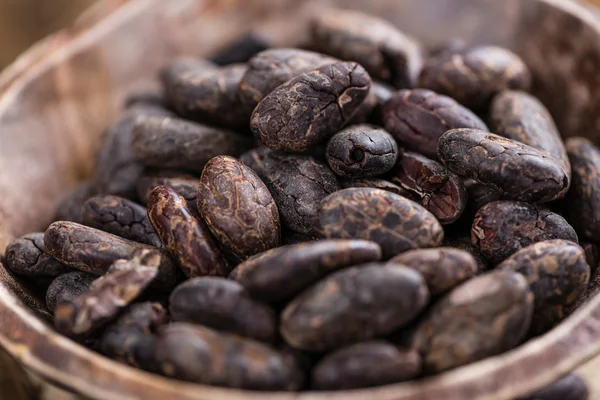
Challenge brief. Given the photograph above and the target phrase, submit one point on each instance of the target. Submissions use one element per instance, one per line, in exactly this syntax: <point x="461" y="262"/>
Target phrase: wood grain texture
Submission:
<point x="57" y="98"/>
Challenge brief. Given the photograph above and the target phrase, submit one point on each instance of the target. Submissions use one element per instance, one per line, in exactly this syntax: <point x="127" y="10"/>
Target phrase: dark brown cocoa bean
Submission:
<point x="120" y="217"/>
<point x="70" y="206"/>
<point x="183" y="184"/>
<point x="518" y="171"/>
<point x="238" y="208"/>
<point x="361" y="151"/>
<point x="67" y="287"/>
<point x="241" y="49"/>
<point x="386" y="52"/>
<point x="377" y="183"/>
<point x="394" y="222"/>
<point x="291" y="237"/>
<point x="583" y="200"/>
<point x="297" y="183"/>
<point x="463" y="242"/>
<point x="179" y="66"/>
<point x="569" y="387"/>
<point x="557" y="273"/>
<point x="185" y="237"/>
<point x="107" y="296"/>
<point x="130" y="339"/>
<point x="484" y="316"/>
<point x="443" y="268"/>
<point x="282" y="273"/>
<point x="365" y="365"/>
<point x="519" y="116"/>
<point x="26" y="256"/>
<point x="502" y="228"/>
<point x="224" y="305"/>
<point x="176" y="143"/>
<point x="272" y="68"/>
<point x="417" y="118"/>
<point x="474" y="75"/>
<point x="201" y="355"/>
<point x="353" y="305"/>
<point x="439" y="190"/>
<point x="480" y="194"/>
<point x="592" y="255"/>
<point x="209" y="95"/>
<point x="117" y="169"/>
<point x="94" y="251"/>
<point x="311" y="107"/>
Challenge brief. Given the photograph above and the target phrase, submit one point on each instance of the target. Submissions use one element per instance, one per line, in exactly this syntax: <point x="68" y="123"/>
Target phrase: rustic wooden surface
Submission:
<point x="69" y="75"/>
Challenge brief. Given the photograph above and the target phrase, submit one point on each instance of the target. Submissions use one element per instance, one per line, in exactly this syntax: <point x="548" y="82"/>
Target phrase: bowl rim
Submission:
<point x="31" y="341"/>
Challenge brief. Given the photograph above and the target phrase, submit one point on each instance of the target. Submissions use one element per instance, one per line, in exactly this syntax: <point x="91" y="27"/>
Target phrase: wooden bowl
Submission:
<point x="56" y="99"/>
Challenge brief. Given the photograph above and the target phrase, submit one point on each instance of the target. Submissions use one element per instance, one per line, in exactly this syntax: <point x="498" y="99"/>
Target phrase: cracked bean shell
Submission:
<point x="472" y="76"/>
<point x="386" y="52"/>
<point x="483" y="317"/>
<point x="436" y="188"/>
<point x="394" y="222"/>
<point x="311" y="107"/>
<point x="361" y="151"/>
<point x="583" y="200"/>
<point x="165" y="142"/>
<point x="443" y="268"/>
<point x="238" y="208"/>
<point x="353" y="305"/>
<point x="557" y="273"/>
<point x="281" y="273"/>
<point x="297" y="183"/>
<point x="519" y="116"/>
<point x="274" y="67"/>
<point x="185" y="237"/>
<point x="120" y="217"/>
<point x="224" y="305"/>
<point x="417" y="118"/>
<point x="501" y="228"/>
<point x="365" y="364"/>
<point x="519" y="171"/>
<point x="26" y="256"/>
<point x="201" y="355"/>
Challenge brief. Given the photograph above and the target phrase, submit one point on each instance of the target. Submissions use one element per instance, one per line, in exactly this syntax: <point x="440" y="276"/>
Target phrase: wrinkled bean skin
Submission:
<point x="26" y="256"/>
<point x="107" y="296"/>
<point x="394" y="222"/>
<point x="238" y="208"/>
<point x="120" y="217"/>
<point x="518" y="171"/>
<point x="297" y="183"/>
<point x="176" y="143"/>
<point x="569" y="387"/>
<point x="70" y="207"/>
<point x="201" y="355"/>
<point x="185" y="237"/>
<point x="463" y="242"/>
<point x="184" y="184"/>
<point x="311" y="107"/>
<point x="94" y="251"/>
<point x="583" y="200"/>
<point x="417" y="118"/>
<point x="361" y="151"/>
<point x="280" y="274"/>
<point x="439" y="190"/>
<point x="519" y="116"/>
<point x="224" y="305"/>
<point x="365" y="364"/>
<point x="353" y="305"/>
<point x="274" y="67"/>
<point x="502" y="228"/>
<point x="208" y="95"/>
<point x="484" y="316"/>
<point x="377" y="183"/>
<point x="557" y="273"/>
<point x="443" y="268"/>
<point x="241" y="50"/>
<point x="472" y="76"/>
<point x="67" y="287"/>
<point x="117" y="170"/>
<point x="387" y="53"/>
<point x="130" y="339"/>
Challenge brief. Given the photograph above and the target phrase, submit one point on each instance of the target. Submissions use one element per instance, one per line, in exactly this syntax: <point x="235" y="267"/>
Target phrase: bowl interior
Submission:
<point x="58" y="98"/>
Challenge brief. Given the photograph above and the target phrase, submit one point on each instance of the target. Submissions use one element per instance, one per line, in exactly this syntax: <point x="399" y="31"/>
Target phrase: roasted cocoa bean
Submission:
<point x="26" y="256"/>
<point x="67" y="287"/>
